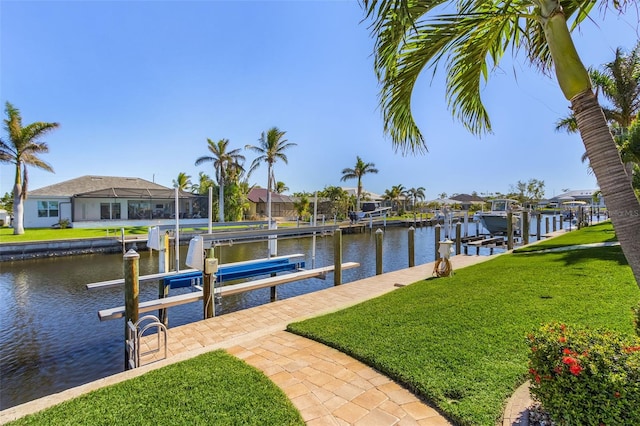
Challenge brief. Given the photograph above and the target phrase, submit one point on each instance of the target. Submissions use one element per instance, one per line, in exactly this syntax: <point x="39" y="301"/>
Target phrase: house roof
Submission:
<point x="103" y="186"/>
<point x="365" y="194"/>
<point x="466" y="198"/>
<point x="259" y="195"/>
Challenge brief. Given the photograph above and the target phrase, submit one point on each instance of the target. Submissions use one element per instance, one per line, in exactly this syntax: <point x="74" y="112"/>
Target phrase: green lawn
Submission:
<point x="459" y="342"/>
<point x="46" y="234"/>
<point x="211" y="389"/>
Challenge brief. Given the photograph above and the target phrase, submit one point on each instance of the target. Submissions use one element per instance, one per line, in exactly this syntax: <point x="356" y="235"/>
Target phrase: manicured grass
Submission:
<point x="213" y="389"/>
<point x="459" y="342"/>
<point x="598" y="233"/>
<point x="47" y="234"/>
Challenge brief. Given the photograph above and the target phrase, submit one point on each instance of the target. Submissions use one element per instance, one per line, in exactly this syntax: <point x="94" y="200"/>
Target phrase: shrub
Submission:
<point x="585" y="377"/>
<point x="636" y="318"/>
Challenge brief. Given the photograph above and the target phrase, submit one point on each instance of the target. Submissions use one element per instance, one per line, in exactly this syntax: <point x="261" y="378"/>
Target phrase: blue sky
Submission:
<point x="139" y="86"/>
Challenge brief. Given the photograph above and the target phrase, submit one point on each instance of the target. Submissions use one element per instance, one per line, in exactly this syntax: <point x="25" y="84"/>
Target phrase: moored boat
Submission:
<point x="495" y="220"/>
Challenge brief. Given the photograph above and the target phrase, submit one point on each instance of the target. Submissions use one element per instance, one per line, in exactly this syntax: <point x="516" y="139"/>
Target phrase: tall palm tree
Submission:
<point x="416" y="194"/>
<point x="22" y="149"/>
<point x="470" y="37"/>
<point x="223" y="161"/>
<point x="182" y="182"/>
<point x="271" y="147"/>
<point x="361" y="168"/>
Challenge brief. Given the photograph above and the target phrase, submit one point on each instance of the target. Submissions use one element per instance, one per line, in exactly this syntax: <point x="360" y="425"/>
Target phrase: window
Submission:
<point x="109" y="210"/>
<point x="47" y="209"/>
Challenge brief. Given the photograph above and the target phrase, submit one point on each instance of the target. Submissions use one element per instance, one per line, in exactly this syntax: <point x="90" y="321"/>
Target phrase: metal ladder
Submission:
<point x="135" y="333"/>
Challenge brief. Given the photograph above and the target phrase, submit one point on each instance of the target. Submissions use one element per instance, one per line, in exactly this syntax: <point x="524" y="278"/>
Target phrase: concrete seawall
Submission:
<point x="35" y="249"/>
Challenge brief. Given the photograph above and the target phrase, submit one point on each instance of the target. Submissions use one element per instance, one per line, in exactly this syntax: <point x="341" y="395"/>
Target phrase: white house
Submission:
<point x="108" y="201"/>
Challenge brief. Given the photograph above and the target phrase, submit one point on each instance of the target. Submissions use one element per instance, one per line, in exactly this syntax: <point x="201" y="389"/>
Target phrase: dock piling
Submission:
<point x="379" y="235"/>
<point x="412" y="251"/>
<point x="337" y="257"/>
<point x="131" y="294"/>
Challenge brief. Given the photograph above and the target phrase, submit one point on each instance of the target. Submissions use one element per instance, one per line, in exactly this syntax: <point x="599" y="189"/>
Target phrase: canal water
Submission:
<point x="50" y="335"/>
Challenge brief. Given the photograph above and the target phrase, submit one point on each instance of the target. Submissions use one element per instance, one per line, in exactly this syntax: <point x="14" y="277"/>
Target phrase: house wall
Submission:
<point x="31" y="219"/>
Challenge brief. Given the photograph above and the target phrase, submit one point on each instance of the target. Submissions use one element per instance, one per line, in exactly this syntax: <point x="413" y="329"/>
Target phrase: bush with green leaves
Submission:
<point x="585" y="377"/>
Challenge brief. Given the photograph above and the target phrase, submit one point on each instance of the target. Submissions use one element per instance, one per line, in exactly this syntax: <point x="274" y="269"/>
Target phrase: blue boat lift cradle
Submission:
<point x="227" y="272"/>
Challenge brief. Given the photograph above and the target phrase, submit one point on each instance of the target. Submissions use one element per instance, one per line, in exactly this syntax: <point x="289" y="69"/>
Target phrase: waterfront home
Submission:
<point x="89" y="201"/>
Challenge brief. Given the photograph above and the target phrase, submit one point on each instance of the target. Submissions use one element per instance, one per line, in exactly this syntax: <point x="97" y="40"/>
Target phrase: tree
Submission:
<point x="338" y="200"/>
<point x="203" y="185"/>
<point x="225" y="163"/>
<point x="528" y="192"/>
<point x="281" y="187"/>
<point x="471" y="36"/>
<point x="22" y="149"/>
<point x="361" y="168"/>
<point x="6" y="202"/>
<point x="272" y="146"/>
<point x="302" y="207"/>
<point x="394" y="194"/>
<point x="619" y="85"/>
<point x="182" y="182"/>
<point x="415" y="194"/>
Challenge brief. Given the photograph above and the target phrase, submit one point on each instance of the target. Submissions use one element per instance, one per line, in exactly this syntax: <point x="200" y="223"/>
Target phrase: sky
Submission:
<point x="139" y="86"/>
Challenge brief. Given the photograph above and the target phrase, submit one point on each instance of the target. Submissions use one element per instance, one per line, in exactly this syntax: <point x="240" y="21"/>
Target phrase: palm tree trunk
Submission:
<point x="615" y="185"/>
<point x="622" y="204"/>
<point x="18" y="210"/>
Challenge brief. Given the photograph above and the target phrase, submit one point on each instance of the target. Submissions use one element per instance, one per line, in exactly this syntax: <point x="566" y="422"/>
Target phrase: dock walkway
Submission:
<point x="327" y="386"/>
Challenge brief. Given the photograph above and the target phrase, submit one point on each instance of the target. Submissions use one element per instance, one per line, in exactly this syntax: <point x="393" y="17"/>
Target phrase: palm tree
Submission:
<point x="223" y="161"/>
<point x="415" y="194"/>
<point x="281" y="187"/>
<point x="471" y="37"/>
<point x="619" y="84"/>
<point x="271" y="148"/>
<point x="357" y="172"/>
<point x="203" y="185"/>
<point x="182" y="182"/>
<point x="22" y="149"/>
<point x="394" y="194"/>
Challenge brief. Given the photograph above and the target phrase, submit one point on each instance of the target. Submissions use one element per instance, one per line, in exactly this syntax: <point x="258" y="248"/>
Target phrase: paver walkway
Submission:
<point x="327" y="386"/>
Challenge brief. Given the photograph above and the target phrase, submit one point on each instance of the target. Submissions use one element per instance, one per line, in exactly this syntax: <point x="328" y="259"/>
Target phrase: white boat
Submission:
<point x="372" y="209"/>
<point x="495" y="220"/>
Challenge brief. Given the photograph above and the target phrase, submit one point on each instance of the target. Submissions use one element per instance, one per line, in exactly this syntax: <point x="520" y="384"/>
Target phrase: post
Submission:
<point x="538" y="225"/>
<point x="337" y="257"/>
<point x="207" y="290"/>
<point x="163" y="266"/>
<point x="412" y="251"/>
<point x="458" y="238"/>
<point x="554" y="223"/>
<point x="379" y="234"/>
<point x="437" y="229"/>
<point x="546" y="225"/>
<point x="525" y="227"/>
<point x="124" y="249"/>
<point x="509" y="230"/>
<point x="131" y="293"/>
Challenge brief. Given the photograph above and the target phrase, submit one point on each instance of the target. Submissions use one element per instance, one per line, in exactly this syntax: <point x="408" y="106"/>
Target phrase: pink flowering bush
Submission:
<point x="585" y="377"/>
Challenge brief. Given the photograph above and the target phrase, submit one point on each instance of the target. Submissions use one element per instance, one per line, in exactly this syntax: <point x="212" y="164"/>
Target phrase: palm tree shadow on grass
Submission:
<point x="578" y="256"/>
